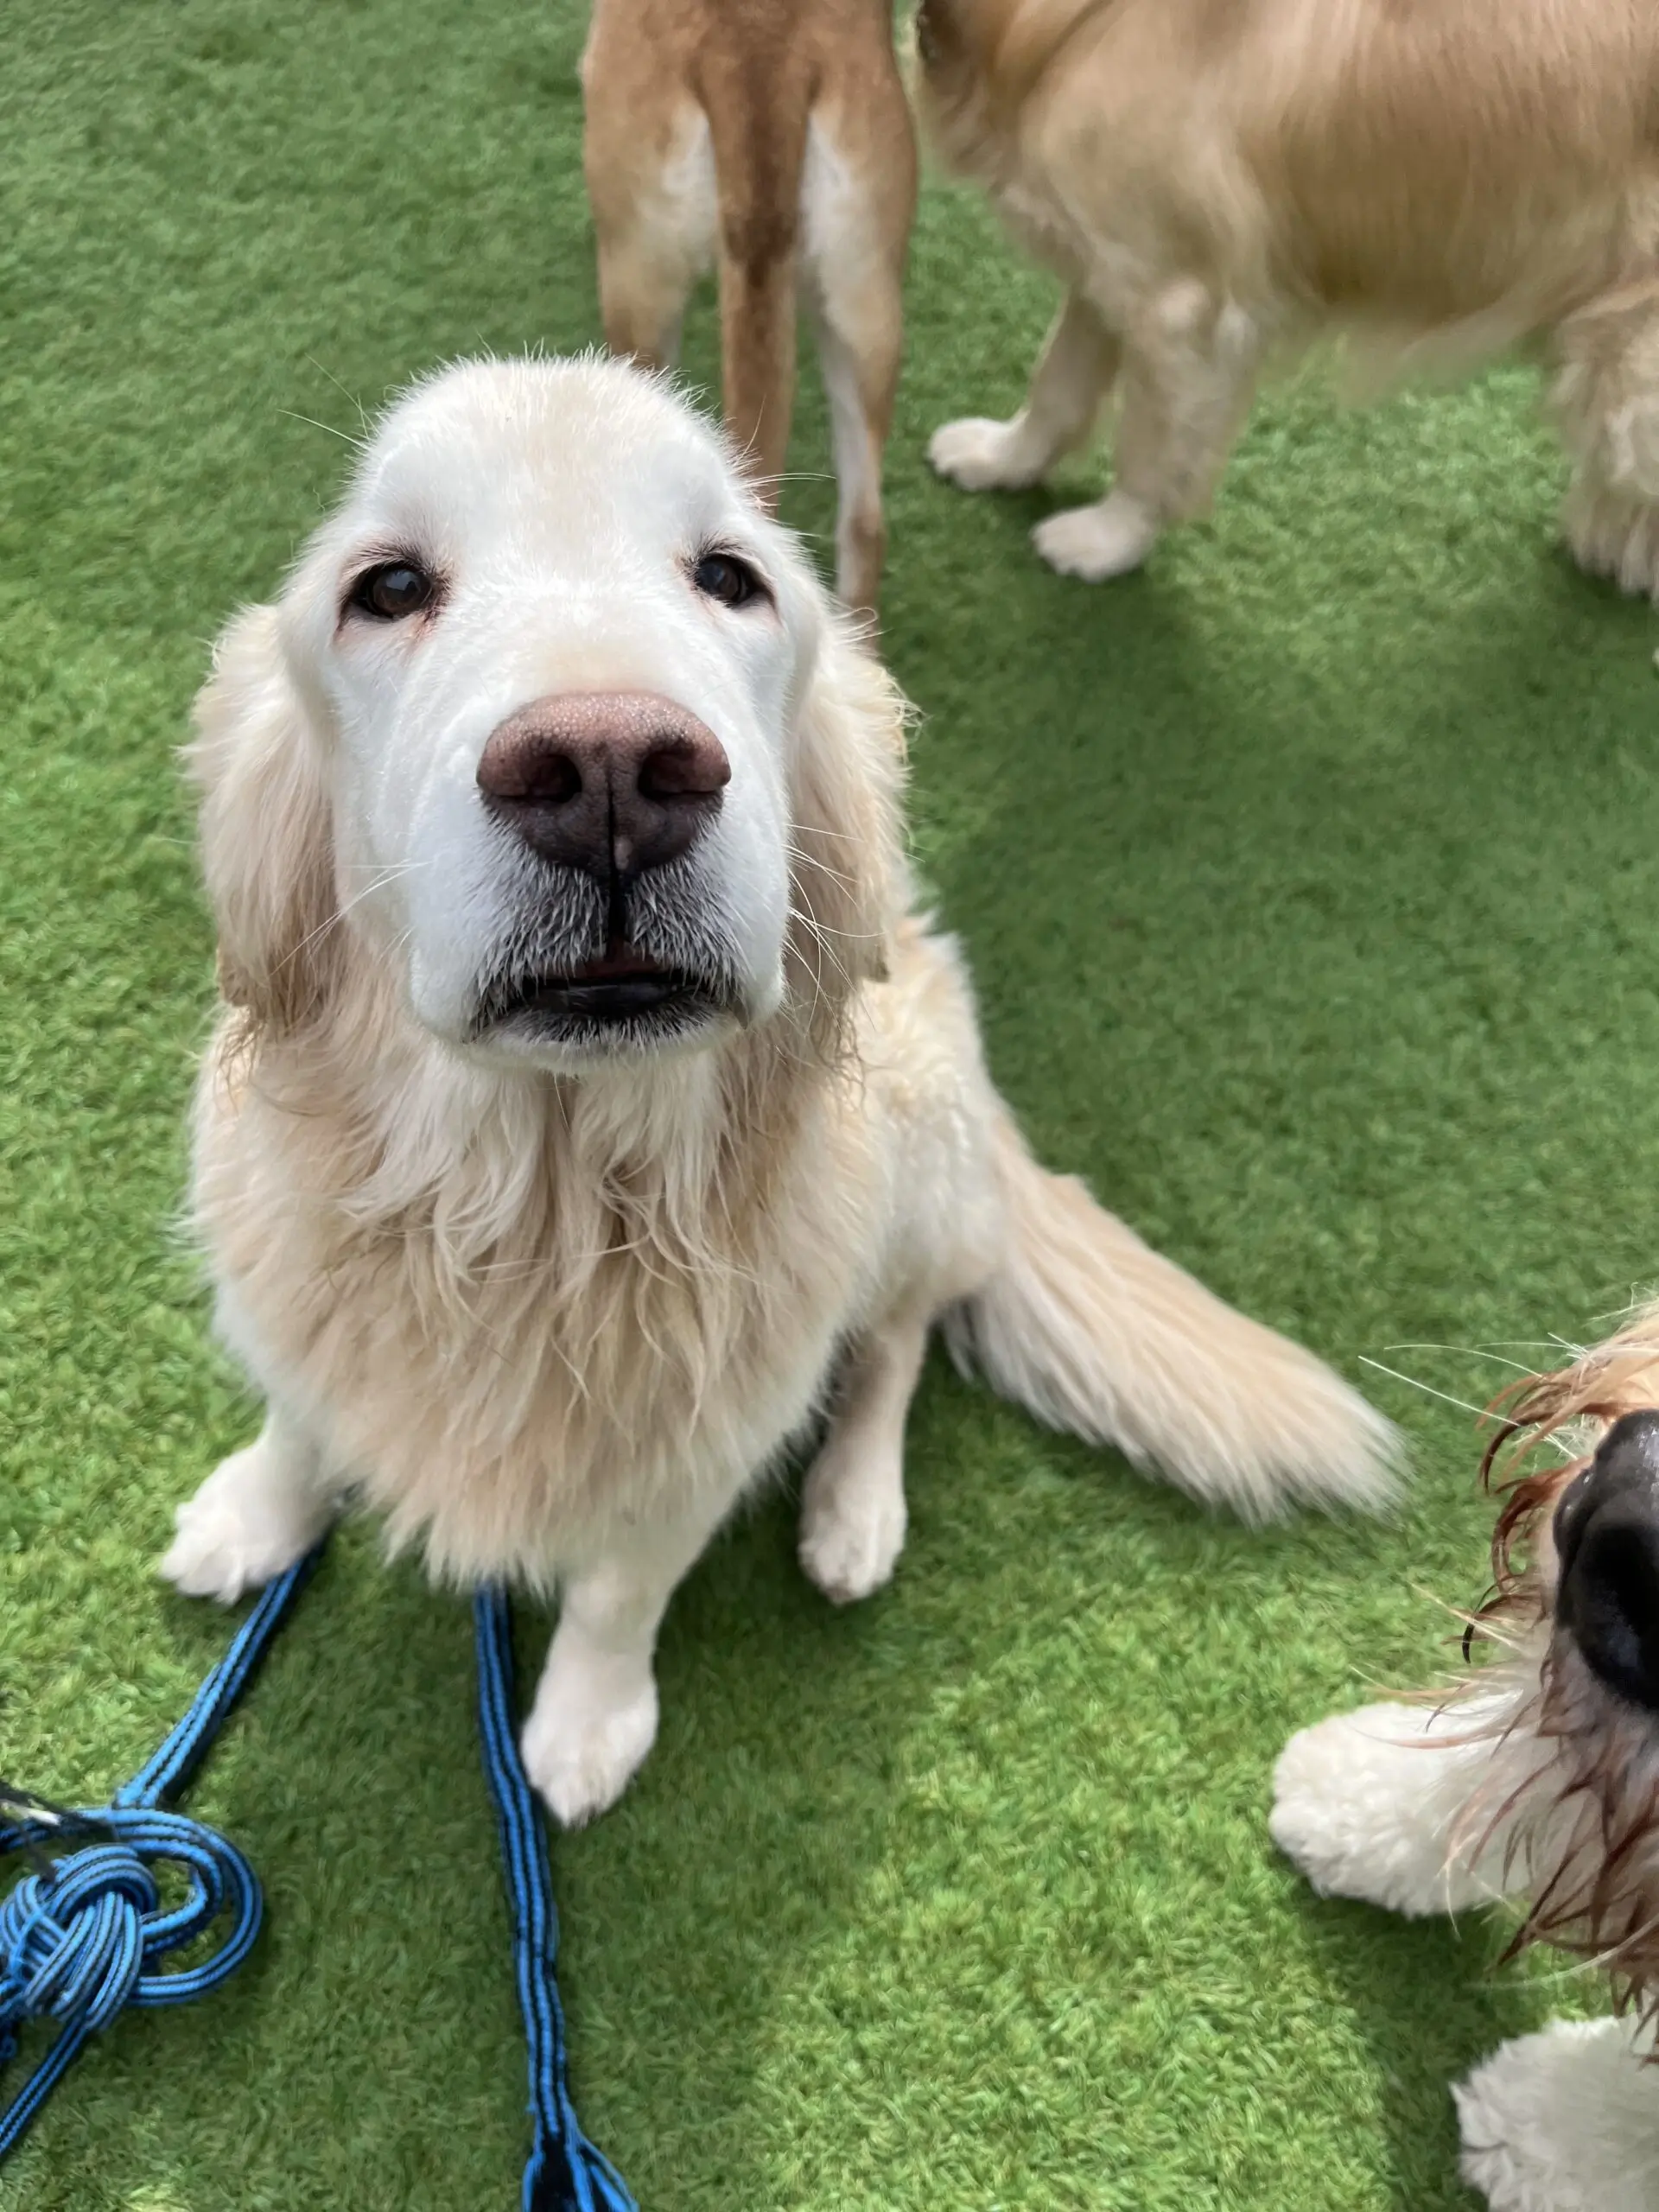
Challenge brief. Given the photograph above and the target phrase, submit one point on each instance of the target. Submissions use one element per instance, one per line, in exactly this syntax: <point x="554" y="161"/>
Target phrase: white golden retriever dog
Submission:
<point x="590" y="1111"/>
<point x="1541" y="1785"/>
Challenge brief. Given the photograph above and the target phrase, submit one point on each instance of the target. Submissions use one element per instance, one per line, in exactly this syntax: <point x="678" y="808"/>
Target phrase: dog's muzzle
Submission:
<point x="1606" y="1531"/>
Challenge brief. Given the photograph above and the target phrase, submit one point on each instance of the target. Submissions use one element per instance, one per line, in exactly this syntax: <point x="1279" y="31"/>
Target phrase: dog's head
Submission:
<point x="556" y="726"/>
<point x="1576" y="1571"/>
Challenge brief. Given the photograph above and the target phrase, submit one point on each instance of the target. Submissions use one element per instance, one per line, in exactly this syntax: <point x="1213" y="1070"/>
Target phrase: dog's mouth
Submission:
<point x="623" y="997"/>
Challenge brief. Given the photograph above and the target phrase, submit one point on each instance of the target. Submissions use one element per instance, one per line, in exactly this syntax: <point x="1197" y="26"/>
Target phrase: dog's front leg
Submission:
<point x="594" y="1717"/>
<point x="1072" y="377"/>
<point x="1389" y="1805"/>
<point x="256" y="1513"/>
<point x="1566" y="2121"/>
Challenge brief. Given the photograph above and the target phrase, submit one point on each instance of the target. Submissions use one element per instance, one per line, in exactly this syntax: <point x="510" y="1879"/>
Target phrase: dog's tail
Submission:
<point x="759" y="110"/>
<point x="1092" y="1332"/>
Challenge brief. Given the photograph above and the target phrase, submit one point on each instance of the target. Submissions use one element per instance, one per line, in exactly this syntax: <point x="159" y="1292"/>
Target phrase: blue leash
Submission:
<point x="84" y="1934"/>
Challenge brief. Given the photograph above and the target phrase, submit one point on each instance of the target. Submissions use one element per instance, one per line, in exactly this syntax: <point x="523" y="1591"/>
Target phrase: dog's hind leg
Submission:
<point x="853" y="1508"/>
<point x="1399" y="1806"/>
<point x="758" y="120"/>
<point x="1189" y="372"/>
<point x="1606" y="401"/>
<point x="858" y="196"/>
<point x="1566" y="2120"/>
<point x="1074" y="373"/>
<point x="655" y="220"/>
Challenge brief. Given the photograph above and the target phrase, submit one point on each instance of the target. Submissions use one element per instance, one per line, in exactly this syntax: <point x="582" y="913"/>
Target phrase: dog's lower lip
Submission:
<point x="617" y="989"/>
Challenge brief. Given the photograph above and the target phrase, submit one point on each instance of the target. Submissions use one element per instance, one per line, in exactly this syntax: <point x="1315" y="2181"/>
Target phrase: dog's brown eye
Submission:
<point x="392" y="591"/>
<point x="724" y="577"/>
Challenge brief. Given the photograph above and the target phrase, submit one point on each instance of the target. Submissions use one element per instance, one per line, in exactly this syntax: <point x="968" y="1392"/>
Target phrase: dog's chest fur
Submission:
<point x="519" y="1316"/>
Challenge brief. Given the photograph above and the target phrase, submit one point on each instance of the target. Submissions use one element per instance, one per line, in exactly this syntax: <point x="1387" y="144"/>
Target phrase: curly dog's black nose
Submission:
<point x="1607" y="1543"/>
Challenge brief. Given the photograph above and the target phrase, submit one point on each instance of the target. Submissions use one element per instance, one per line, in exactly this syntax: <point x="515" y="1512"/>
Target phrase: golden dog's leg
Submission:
<point x="1189" y="372"/>
<point x="853" y="1507"/>
<point x="1074" y="373"/>
<point x="1606" y="400"/>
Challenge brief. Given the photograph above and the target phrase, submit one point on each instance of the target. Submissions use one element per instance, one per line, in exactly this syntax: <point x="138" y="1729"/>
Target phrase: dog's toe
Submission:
<point x="1108" y="540"/>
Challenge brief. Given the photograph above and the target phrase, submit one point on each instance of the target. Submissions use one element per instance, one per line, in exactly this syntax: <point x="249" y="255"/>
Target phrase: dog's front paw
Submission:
<point x="1565" y="2121"/>
<point x="982" y="455"/>
<point x="249" y="1522"/>
<point x="583" y="1744"/>
<point x="1108" y="540"/>
<point x="852" y="1526"/>
<point x="1363" y="1803"/>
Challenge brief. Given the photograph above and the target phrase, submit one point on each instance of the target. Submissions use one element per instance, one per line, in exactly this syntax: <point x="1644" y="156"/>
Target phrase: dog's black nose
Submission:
<point x="1607" y="1546"/>
<point x="611" y="782"/>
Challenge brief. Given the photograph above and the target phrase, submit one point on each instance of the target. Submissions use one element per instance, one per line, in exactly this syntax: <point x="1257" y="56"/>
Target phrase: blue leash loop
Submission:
<point x="84" y="1934"/>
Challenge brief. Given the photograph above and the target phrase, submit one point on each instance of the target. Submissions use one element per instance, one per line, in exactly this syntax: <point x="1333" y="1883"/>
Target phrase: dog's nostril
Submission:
<point x="681" y="768"/>
<point x="542" y="779"/>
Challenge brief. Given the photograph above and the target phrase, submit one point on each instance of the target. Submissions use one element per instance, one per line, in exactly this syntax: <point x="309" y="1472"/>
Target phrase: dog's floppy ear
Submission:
<point x="266" y="831"/>
<point x="847" y="869"/>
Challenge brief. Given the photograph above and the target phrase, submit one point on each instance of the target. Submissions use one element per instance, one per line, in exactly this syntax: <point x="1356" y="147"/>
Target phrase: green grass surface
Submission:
<point x="1308" y="881"/>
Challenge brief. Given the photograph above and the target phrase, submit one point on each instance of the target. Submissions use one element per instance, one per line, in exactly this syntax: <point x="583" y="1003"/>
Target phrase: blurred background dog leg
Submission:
<point x="650" y="166"/>
<point x="771" y="139"/>
<point x="1075" y="372"/>
<point x="1606" y="398"/>
<point x="1189" y="375"/>
<point x="860" y="199"/>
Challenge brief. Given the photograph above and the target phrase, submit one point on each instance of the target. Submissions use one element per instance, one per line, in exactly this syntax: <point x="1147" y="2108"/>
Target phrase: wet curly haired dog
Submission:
<point x="1540" y="1783"/>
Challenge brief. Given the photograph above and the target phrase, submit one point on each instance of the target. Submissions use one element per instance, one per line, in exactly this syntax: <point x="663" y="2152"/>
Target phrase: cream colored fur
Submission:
<point x="1218" y="182"/>
<point x="553" y="1316"/>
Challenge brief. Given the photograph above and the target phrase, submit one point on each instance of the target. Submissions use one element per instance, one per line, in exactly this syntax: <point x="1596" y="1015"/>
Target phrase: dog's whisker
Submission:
<point x="1428" y="1390"/>
<point x="359" y="445"/>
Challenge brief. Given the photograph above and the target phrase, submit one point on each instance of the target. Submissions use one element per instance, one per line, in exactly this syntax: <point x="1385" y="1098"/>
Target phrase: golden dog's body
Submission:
<point x="771" y="139"/>
<point x="1216" y="180"/>
<point x="554" y="1281"/>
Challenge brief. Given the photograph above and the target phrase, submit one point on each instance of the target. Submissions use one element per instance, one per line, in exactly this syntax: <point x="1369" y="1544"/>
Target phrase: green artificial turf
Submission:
<point x="1308" y="878"/>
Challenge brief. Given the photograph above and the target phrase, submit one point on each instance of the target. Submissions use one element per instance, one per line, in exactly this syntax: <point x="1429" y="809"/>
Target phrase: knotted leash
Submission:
<point x="85" y="1935"/>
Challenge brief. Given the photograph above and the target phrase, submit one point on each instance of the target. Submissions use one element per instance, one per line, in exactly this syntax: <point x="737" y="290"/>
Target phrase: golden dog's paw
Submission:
<point x="1108" y="540"/>
<point x="982" y="455"/>
<point x="852" y="1529"/>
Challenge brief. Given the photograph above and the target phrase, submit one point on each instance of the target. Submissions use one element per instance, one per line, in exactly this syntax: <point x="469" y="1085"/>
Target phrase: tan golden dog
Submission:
<point x="772" y="138"/>
<point x="1217" y="181"/>
<point x="591" y="1113"/>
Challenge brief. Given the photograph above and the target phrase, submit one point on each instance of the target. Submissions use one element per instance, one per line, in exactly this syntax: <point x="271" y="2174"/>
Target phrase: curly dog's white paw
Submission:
<point x="1566" y="2120"/>
<point x="1365" y="1804"/>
